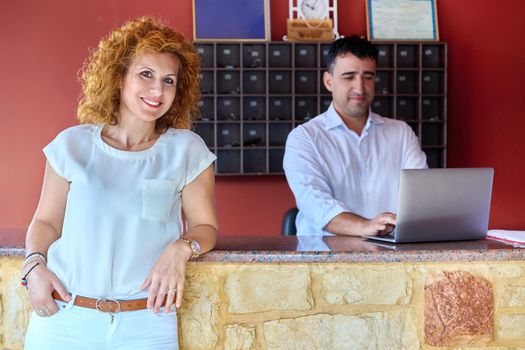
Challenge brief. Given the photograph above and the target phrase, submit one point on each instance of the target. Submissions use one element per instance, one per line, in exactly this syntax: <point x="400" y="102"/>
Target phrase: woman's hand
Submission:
<point x="41" y="282"/>
<point x="43" y="231"/>
<point x="166" y="278"/>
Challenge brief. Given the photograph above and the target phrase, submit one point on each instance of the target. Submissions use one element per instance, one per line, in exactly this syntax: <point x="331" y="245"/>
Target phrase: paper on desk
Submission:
<point x="507" y="236"/>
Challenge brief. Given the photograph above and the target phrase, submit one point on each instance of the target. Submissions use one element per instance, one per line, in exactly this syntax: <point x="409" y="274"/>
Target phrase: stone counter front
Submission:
<point x="354" y="306"/>
<point x="469" y="299"/>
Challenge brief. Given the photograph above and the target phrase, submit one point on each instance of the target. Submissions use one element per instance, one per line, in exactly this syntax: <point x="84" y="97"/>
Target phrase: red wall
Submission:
<point x="44" y="43"/>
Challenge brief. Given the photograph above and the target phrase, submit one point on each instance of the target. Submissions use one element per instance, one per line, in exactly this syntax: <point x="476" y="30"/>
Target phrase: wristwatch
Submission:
<point x="195" y="247"/>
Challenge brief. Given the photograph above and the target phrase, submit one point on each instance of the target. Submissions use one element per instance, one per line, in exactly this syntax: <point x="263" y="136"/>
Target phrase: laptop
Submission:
<point x="442" y="205"/>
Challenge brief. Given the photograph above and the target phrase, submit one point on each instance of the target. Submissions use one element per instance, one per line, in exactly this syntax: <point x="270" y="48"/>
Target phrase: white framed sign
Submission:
<point x="402" y="20"/>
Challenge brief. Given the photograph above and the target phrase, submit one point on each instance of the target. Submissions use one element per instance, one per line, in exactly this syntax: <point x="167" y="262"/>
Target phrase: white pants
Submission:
<point x="74" y="327"/>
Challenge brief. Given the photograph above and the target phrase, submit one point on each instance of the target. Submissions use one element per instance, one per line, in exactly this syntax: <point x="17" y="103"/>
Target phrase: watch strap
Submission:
<point x="194" y="246"/>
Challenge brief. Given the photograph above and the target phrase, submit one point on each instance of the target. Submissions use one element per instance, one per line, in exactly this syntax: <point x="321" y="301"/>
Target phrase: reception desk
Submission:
<point x="333" y="293"/>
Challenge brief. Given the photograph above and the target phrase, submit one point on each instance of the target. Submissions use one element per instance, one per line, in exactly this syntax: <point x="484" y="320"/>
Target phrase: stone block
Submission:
<point x="512" y="297"/>
<point x="380" y="330"/>
<point x="459" y="309"/>
<point x="15" y="305"/>
<point x="511" y="327"/>
<point x="485" y="348"/>
<point x="199" y="314"/>
<point x="309" y="332"/>
<point x="367" y="286"/>
<point x="256" y="290"/>
<point x="239" y="337"/>
<point x="508" y="271"/>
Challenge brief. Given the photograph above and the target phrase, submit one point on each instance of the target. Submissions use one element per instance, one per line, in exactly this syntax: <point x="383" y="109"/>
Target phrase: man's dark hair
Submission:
<point x="353" y="44"/>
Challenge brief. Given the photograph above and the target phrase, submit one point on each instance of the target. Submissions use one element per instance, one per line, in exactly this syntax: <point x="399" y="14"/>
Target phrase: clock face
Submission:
<point x="313" y="8"/>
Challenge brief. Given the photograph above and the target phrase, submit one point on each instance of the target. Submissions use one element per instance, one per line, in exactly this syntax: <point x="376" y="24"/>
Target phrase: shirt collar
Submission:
<point x="333" y="119"/>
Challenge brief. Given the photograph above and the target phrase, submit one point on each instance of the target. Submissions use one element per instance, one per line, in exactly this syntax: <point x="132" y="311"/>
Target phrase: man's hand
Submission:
<point x="381" y="225"/>
<point x="351" y="224"/>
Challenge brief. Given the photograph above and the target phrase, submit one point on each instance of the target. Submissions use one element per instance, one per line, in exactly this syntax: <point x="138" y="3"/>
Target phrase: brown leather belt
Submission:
<point x="107" y="305"/>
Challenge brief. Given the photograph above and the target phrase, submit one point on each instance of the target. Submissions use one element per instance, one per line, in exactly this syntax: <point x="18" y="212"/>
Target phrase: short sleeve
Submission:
<point x="198" y="157"/>
<point x="55" y="153"/>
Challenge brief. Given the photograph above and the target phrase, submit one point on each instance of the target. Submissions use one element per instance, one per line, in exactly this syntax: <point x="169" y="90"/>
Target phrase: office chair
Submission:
<point x="288" y="227"/>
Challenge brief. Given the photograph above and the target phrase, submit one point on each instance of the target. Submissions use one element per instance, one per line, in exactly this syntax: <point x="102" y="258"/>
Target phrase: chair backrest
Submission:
<point x="288" y="227"/>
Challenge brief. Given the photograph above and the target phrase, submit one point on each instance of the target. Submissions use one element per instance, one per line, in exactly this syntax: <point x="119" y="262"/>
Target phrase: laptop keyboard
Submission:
<point x="391" y="235"/>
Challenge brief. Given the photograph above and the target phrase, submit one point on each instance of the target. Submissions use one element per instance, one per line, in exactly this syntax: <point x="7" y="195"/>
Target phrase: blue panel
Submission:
<point x="230" y="19"/>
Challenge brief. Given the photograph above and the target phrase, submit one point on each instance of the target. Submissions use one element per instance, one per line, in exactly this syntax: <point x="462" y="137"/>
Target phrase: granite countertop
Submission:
<point x="279" y="249"/>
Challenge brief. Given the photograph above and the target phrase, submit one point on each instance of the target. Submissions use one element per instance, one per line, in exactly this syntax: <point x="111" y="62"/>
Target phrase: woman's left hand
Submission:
<point x="166" y="278"/>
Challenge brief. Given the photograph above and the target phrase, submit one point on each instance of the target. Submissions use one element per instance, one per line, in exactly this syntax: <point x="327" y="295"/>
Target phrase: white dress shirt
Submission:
<point x="332" y="170"/>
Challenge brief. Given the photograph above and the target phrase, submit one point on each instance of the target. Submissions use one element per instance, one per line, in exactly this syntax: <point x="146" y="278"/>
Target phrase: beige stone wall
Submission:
<point x="14" y="305"/>
<point x="309" y="306"/>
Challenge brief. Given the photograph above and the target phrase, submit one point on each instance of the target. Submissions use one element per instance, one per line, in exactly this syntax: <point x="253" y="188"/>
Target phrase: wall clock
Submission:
<point x="312" y="20"/>
<point x="310" y="9"/>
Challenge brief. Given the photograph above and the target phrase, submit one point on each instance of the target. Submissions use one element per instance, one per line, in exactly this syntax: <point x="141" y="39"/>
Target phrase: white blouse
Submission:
<point x="123" y="208"/>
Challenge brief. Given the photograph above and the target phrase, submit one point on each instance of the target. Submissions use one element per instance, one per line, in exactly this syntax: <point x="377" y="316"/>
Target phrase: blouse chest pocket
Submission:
<point x="158" y="196"/>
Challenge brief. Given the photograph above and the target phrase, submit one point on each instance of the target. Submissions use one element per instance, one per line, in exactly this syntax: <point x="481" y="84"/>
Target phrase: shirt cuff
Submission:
<point x="328" y="215"/>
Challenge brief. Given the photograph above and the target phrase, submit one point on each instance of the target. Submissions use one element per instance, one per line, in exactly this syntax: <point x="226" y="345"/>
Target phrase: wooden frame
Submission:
<point x="402" y="20"/>
<point x="231" y="20"/>
<point x="315" y="32"/>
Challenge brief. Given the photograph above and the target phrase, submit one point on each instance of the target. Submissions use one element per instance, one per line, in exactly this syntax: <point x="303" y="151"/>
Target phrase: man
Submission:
<point x="343" y="166"/>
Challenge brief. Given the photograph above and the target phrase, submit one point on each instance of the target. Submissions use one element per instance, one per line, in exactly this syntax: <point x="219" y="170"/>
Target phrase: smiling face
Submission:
<point x="148" y="87"/>
<point x="352" y="83"/>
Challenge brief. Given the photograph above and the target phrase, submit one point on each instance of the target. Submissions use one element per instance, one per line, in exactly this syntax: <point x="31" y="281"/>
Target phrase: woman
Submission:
<point x="105" y="255"/>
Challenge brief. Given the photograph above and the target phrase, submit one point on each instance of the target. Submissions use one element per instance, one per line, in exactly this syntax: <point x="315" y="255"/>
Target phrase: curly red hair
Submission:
<point x="105" y="67"/>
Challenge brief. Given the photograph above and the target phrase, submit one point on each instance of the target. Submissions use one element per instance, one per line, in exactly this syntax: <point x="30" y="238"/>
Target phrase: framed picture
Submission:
<point x="402" y="20"/>
<point x="231" y="20"/>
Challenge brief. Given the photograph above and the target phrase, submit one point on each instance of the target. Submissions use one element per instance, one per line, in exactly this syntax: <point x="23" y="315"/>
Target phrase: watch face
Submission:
<point x="197" y="247"/>
<point x="313" y="8"/>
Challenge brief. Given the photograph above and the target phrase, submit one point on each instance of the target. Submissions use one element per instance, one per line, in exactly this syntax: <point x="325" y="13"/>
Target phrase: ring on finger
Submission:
<point x="171" y="290"/>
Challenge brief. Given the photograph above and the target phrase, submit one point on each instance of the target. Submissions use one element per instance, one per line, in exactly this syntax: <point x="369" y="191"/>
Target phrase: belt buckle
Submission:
<point x="97" y="306"/>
